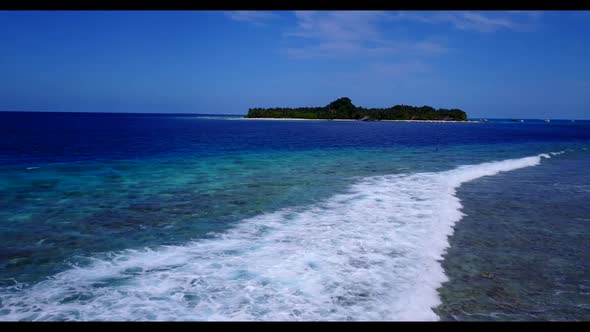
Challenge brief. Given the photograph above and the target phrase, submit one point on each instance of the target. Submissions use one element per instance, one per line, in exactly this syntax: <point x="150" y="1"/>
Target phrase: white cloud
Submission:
<point x="351" y="34"/>
<point x="476" y="21"/>
<point x="347" y="25"/>
<point x="372" y="40"/>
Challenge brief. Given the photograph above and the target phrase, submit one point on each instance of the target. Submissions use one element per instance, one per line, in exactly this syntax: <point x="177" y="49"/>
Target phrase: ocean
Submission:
<point x="156" y="217"/>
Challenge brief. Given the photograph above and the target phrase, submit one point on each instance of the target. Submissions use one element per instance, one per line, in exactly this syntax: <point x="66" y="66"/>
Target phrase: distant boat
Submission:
<point x="521" y="120"/>
<point x="547" y="120"/>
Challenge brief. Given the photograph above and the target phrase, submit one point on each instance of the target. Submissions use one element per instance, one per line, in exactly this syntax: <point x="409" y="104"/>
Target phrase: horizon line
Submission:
<point x="225" y="114"/>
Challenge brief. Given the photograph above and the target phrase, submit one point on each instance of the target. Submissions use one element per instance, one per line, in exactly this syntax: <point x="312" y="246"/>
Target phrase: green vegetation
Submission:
<point x="343" y="108"/>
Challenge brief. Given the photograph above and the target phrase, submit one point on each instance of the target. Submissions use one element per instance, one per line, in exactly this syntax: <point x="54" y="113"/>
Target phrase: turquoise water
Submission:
<point x="177" y="218"/>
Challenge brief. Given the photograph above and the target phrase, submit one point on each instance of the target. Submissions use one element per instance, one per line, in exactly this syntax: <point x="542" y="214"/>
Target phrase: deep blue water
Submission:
<point x="166" y="217"/>
<point x="31" y="138"/>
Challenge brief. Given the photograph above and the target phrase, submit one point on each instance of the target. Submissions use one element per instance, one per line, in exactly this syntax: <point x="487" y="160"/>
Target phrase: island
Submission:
<point x="343" y="108"/>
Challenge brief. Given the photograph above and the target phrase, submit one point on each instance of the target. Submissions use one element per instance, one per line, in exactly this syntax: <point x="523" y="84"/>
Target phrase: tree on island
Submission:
<point x="343" y="108"/>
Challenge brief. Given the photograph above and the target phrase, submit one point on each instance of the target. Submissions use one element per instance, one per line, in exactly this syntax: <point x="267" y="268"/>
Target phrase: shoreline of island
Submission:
<point x="353" y="120"/>
<point x="343" y="109"/>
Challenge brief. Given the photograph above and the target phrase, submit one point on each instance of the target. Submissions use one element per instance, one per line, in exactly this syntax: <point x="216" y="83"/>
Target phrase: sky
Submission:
<point x="492" y="64"/>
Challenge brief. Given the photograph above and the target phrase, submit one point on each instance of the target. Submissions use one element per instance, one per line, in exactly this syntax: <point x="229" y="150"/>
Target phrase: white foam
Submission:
<point x="371" y="254"/>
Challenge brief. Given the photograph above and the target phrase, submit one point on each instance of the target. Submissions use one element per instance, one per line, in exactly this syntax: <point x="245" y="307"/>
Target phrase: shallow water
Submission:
<point x="153" y="217"/>
<point x="522" y="250"/>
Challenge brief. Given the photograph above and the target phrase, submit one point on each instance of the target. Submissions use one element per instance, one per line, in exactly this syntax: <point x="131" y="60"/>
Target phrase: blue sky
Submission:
<point x="490" y="64"/>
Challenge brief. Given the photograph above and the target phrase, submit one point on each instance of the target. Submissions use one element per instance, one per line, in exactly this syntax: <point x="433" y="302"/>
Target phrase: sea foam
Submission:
<point x="372" y="253"/>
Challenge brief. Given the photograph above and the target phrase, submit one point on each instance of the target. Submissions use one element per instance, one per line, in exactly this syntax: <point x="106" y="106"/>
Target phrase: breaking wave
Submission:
<point x="371" y="254"/>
